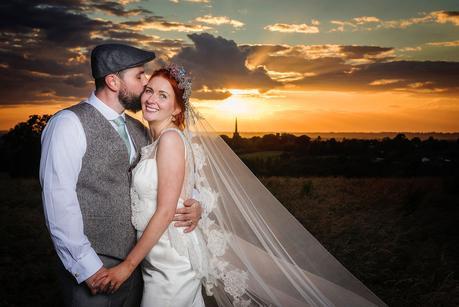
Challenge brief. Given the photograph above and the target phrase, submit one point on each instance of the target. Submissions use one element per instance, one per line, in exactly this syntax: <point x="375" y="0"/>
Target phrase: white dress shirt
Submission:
<point x="63" y="147"/>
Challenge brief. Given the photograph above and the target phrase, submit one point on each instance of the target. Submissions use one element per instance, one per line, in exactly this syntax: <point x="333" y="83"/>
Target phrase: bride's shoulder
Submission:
<point x="171" y="137"/>
<point x="171" y="143"/>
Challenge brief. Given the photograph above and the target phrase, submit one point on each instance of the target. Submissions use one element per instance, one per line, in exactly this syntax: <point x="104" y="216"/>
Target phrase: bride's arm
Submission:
<point x="170" y="157"/>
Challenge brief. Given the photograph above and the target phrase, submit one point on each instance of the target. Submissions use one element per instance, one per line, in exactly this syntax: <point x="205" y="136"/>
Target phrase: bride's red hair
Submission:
<point x="180" y="117"/>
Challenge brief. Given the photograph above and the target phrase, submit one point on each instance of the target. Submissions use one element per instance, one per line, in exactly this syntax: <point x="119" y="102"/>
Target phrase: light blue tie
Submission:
<point x="120" y="124"/>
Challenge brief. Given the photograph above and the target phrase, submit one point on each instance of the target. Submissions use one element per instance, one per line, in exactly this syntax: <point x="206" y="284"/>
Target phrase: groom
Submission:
<point x="88" y="152"/>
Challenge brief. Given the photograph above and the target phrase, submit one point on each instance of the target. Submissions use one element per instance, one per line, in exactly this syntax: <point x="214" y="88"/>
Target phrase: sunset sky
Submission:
<point x="287" y="66"/>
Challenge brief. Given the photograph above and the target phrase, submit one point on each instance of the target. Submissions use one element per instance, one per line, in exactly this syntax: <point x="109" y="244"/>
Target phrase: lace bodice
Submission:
<point x="143" y="193"/>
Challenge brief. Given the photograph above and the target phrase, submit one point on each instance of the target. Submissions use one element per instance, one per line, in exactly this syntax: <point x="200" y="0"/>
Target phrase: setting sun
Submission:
<point x="242" y="103"/>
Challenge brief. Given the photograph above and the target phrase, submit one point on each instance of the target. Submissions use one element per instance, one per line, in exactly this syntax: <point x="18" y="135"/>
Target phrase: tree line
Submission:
<point x="281" y="154"/>
<point x="303" y="156"/>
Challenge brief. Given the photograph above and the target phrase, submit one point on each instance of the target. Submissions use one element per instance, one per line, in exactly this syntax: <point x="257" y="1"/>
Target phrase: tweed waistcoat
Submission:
<point x="103" y="186"/>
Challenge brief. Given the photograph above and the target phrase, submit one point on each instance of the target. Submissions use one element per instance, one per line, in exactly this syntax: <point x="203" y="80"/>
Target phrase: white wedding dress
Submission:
<point x="171" y="270"/>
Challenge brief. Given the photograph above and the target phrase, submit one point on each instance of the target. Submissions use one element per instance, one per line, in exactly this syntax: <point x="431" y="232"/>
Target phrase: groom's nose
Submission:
<point x="144" y="80"/>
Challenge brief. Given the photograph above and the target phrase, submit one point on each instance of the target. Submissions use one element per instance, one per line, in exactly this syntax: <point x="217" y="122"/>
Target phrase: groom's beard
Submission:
<point x="129" y="100"/>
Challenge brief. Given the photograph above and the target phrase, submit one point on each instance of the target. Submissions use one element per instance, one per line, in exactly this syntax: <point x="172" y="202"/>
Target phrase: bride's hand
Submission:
<point x="116" y="276"/>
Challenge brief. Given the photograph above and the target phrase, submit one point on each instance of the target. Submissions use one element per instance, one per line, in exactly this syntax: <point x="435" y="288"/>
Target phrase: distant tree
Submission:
<point x="226" y="138"/>
<point x="21" y="147"/>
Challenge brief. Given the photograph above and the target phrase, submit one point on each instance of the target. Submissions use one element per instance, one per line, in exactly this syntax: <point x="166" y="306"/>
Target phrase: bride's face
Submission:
<point x="158" y="100"/>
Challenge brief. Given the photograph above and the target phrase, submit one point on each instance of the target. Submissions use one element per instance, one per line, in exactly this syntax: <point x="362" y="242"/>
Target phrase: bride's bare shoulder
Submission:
<point x="171" y="140"/>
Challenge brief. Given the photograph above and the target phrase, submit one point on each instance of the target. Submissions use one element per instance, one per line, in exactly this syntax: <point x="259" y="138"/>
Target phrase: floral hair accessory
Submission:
<point x="183" y="79"/>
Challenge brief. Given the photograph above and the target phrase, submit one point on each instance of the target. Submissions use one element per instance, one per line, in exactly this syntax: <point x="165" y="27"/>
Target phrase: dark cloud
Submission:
<point x="166" y="43"/>
<point x="451" y="13"/>
<point x="41" y="65"/>
<point x="20" y="86"/>
<point x="114" y="8"/>
<point x="301" y="65"/>
<point x="263" y="50"/>
<point x="59" y="23"/>
<point x="358" y="52"/>
<point x="76" y="81"/>
<point x="316" y="59"/>
<point x="411" y="76"/>
<point x="211" y="95"/>
<point x="124" y="35"/>
<point x="218" y="63"/>
<point x="45" y="46"/>
<point x="140" y="23"/>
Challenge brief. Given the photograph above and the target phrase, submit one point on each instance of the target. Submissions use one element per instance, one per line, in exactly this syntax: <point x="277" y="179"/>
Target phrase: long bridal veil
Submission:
<point x="258" y="253"/>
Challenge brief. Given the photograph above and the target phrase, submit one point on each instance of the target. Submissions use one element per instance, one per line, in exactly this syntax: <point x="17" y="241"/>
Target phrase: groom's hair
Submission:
<point x="100" y="82"/>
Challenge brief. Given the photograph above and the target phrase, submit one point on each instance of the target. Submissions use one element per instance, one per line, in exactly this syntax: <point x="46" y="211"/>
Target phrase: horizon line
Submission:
<point x="334" y="132"/>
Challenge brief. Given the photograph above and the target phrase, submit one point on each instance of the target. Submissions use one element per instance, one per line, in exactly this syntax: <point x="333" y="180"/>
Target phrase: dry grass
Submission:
<point x="27" y="257"/>
<point x="399" y="236"/>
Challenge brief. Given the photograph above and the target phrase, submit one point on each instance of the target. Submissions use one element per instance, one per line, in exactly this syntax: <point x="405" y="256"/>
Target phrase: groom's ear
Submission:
<point x="112" y="82"/>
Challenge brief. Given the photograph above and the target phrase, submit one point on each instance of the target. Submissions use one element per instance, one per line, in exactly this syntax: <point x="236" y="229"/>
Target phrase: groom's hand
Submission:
<point x="189" y="216"/>
<point x="92" y="281"/>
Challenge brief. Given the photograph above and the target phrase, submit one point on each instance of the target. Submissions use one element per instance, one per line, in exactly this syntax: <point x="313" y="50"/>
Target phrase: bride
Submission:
<point x="247" y="250"/>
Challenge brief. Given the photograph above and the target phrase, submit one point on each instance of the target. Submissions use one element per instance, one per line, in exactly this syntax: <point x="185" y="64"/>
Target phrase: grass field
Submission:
<point x="399" y="236"/>
<point x="261" y="155"/>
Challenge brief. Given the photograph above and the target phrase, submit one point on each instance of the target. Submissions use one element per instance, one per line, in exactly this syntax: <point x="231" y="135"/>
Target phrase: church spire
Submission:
<point x="236" y="135"/>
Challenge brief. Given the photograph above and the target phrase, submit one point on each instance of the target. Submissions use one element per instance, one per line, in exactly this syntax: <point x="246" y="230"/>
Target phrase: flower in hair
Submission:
<point x="183" y="79"/>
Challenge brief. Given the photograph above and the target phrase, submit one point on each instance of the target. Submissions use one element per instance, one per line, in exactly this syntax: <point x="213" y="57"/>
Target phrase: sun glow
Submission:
<point x="234" y="106"/>
<point x="332" y="111"/>
<point x="243" y="103"/>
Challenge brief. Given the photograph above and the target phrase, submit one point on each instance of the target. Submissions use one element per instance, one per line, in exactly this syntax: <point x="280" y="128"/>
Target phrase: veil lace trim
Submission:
<point x="220" y="271"/>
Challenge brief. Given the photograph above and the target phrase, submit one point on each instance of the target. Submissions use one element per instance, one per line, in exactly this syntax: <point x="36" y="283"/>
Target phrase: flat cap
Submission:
<point x="110" y="58"/>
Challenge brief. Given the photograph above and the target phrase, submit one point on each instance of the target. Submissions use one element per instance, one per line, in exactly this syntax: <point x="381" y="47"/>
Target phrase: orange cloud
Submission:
<point x="191" y="1"/>
<point x="361" y="23"/>
<point x="445" y="16"/>
<point x="385" y="81"/>
<point x="219" y="20"/>
<point x="366" y="19"/>
<point x="162" y="25"/>
<point x="444" y="44"/>
<point x="292" y="28"/>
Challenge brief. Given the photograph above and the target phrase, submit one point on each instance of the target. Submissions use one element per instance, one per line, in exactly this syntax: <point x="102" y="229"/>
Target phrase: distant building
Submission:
<point x="236" y="137"/>
<point x="236" y="133"/>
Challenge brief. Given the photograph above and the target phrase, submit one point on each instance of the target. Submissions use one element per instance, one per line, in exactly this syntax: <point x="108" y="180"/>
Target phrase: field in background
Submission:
<point x="452" y="136"/>
<point x="398" y="235"/>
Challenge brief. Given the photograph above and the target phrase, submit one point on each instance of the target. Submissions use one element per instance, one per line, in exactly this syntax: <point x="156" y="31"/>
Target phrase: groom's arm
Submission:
<point x="63" y="147"/>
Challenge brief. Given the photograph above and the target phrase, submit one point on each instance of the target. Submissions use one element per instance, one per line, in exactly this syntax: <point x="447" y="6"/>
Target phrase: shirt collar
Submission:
<point x="104" y="109"/>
